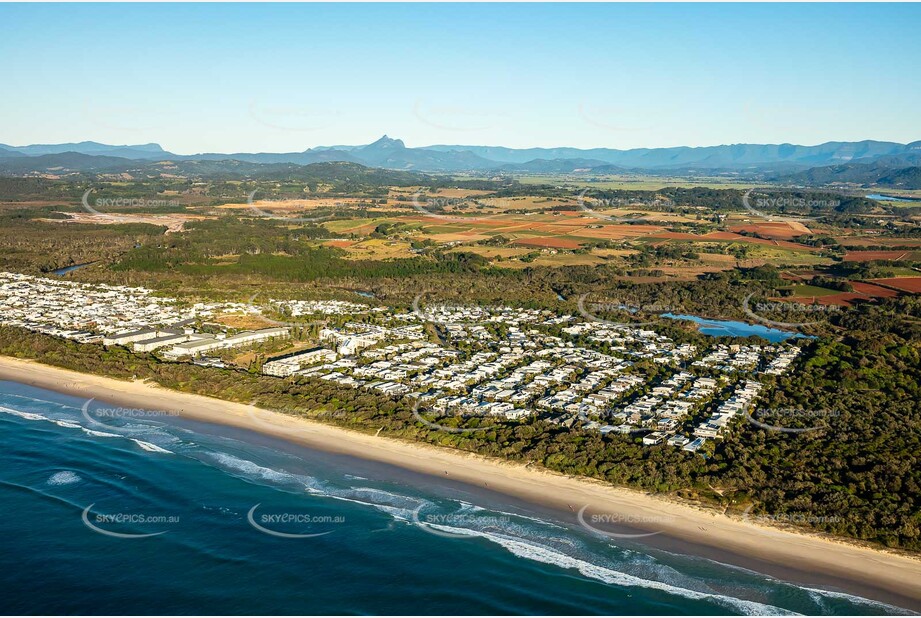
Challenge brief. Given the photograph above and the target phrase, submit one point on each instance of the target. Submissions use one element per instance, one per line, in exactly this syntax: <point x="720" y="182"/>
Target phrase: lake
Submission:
<point x="730" y="328"/>
<point x="890" y="198"/>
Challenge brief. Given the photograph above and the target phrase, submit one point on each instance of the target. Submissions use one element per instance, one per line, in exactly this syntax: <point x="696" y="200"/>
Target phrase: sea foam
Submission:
<point x="65" y="477"/>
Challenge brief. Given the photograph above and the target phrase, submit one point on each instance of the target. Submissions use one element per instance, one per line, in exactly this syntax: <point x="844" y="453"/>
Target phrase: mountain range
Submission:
<point x="866" y="159"/>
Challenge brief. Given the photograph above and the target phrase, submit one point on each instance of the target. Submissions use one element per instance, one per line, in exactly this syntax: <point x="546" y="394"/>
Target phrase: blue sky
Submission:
<point x="243" y="77"/>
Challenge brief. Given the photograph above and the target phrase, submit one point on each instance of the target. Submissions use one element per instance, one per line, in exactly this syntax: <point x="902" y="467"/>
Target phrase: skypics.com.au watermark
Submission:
<point x="589" y="311"/>
<point x="275" y="523"/>
<point x="788" y="518"/>
<point x="458" y="525"/>
<point x="780" y="419"/>
<point x="784" y="203"/>
<point x="107" y="523"/>
<point x="607" y="523"/>
<point x="97" y="415"/>
<point x="434" y="206"/>
<point x="755" y="311"/>
<point x="123" y="202"/>
<point x="800" y="203"/>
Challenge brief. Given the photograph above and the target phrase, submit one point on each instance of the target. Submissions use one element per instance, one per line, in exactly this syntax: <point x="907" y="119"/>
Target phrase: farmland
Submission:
<point x="284" y="231"/>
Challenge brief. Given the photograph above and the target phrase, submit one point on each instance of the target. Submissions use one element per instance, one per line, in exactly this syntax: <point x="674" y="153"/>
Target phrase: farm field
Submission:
<point x="556" y="260"/>
<point x="905" y="284"/>
<point x="869" y="256"/>
<point x="378" y="249"/>
<point x="782" y="231"/>
<point x="873" y="241"/>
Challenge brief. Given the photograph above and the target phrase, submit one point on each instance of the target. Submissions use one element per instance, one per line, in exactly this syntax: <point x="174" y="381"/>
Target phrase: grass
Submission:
<point x="560" y="259"/>
<point x="491" y="252"/>
<point x="344" y="225"/>
<point x="808" y="291"/>
<point x="378" y="249"/>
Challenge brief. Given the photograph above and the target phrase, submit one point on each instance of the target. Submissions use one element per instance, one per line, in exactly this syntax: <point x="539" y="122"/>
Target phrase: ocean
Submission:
<point x="107" y="511"/>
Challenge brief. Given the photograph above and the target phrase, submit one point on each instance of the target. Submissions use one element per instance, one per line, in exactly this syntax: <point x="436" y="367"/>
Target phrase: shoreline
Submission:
<point x="802" y="558"/>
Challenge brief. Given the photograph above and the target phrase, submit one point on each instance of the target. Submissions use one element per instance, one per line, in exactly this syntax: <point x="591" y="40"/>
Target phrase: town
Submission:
<point x="501" y="362"/>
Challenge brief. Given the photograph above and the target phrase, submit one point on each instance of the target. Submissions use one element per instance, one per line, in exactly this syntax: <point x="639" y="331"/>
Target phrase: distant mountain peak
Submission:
<point x="387" y="142"/>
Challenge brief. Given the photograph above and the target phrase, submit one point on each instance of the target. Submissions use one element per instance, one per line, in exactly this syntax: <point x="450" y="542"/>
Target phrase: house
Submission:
<point x="655" y="437"/>
<point x="694" y="446"/>
<point x="678" y="440"/>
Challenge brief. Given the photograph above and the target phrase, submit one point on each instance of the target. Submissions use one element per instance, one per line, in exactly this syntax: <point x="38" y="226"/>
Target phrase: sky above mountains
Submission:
<point x="228" y="78"/>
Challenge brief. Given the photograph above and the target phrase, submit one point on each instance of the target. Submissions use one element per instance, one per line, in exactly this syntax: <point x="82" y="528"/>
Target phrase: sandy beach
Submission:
<point x="802" y="558"/>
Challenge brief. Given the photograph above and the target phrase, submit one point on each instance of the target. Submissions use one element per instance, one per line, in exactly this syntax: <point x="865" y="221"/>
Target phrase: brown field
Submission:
<point x="341" y="244"/>
<point x="548" y="241"/>
<point x="873" y="291"/>
<point x="777" y="230"/>
<point x="676" y="236"/>
<point x="864" y="241"/>
<point x="863" y="291"/>
<point x="868" y="256"/>
<point x="458" y="237"/>
<point x="244" y="321"/>
<point x="905" y="284"/>
<point x="723" y="236"/>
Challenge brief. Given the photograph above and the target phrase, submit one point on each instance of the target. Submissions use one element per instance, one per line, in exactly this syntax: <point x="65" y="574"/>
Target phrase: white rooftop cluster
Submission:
<point x="43" y="304"/>
<point x="447" y="314"/>
<point x="634" y="341"/>
<point x="297" y="308"/>
<point x="782" y="362"/>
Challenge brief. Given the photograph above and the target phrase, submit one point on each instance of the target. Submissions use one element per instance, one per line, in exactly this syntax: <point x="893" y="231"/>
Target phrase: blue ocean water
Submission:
<point x="148" y="515"/>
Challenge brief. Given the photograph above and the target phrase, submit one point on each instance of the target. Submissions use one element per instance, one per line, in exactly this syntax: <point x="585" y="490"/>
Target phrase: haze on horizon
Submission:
<point x="277" y="78"/>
